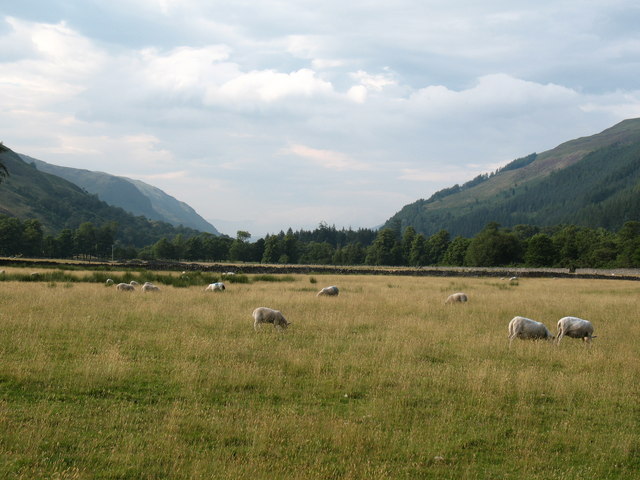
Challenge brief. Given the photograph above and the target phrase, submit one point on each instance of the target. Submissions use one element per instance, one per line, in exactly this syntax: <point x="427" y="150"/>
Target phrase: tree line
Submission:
<point x="567" y="246"/>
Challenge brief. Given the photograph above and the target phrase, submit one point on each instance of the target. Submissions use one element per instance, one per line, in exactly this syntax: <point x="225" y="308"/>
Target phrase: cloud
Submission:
<point x="267" y="86"/>
<point x="326" y="158"/>
<point x="302" y="114"/>
<point x="492" y="94"/>
<point x="185" y="68"/>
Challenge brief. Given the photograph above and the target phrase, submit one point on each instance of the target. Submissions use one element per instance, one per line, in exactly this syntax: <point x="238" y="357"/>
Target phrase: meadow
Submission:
<point x="384" y="381"/>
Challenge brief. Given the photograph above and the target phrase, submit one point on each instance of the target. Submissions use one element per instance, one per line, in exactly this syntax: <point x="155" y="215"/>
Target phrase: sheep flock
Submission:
<point x="519" y="327"/>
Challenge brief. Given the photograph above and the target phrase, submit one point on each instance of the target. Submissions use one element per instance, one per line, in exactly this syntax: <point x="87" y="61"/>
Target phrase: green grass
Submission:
<point x="381" y="382"/>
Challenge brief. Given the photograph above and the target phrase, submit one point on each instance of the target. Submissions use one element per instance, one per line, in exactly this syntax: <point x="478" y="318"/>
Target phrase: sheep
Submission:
<point x="513" y="281"/>
<point x="215" y="287"/>
<point x="575" y="327"/>
<point x="150" y="287"/>
<point x="268" y="315"/>
<point x="457" y="297"/>
<point x="109" y="281"/>
<point x="331" y="291"/>
<point x="133" y="283"/>
<point x="228" y="274"/>
<point x="125" y="287"/>
<point x="525" y="328"/>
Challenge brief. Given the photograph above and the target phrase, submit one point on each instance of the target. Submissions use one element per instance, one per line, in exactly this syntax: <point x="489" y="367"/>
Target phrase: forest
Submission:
<point x="567" y="246"/>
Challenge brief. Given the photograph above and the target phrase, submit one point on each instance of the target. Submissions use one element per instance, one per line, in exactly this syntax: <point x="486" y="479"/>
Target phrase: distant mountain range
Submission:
<point x="592" y="181"/>
<point x="131" y="195"/>
<point x="28" y="193"/>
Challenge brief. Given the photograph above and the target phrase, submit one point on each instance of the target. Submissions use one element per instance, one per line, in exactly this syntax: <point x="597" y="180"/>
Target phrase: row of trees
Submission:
<point x="27" y="238"/>
<point x="524" y="245"/>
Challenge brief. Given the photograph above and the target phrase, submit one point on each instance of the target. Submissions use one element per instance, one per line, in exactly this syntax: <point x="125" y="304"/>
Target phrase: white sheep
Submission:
<point x="268" y="315"/>
<point x="331" y="291"/>
<point x="109" y="281"/>
<point x="150" y="287"/>
<point x="215" y="287"/>
<point x="133" y="283"/>
<point x="457" y="298"/>
<point x="228" y="274"/>
<point x="575" y="327"/>
<point x="125" y="287"/>
<point x="525" y="328"/>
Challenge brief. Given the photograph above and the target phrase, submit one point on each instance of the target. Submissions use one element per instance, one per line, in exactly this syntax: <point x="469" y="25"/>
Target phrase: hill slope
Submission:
<point x="59" y="204"/>
<point x="133" y="196"/>
<point x="592" y="181"/>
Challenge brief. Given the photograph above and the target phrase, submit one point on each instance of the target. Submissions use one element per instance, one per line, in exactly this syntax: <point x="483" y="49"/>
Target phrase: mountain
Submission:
<point x="133" y="196"/>
<point x="591" y="181"/>
<point x="58" y="204"/>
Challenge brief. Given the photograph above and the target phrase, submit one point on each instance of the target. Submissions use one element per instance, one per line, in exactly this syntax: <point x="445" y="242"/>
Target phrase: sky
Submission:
<point x="269" y="114"/>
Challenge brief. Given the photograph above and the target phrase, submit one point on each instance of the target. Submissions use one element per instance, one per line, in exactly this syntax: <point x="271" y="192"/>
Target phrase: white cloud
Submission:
<point x="376" y="106"/>
<point x="326" y="158"/>
<point x="491" y="94"/>
<point x="267" y="86"/>
<point x="373" y="82"/>
<point x="185" y="68"/>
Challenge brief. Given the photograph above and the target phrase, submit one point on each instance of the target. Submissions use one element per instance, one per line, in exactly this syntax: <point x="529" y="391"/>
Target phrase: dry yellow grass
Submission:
<point x="383" y="381"/>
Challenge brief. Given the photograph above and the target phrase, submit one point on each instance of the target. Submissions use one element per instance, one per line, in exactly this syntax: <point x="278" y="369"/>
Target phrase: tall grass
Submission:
<point x="383" y="382"/>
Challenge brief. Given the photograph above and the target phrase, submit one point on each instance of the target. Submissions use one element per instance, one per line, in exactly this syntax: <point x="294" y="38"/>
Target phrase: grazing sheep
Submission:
<point x="109" y="281"/>
<point x="150" y="287"/>
<point x="331" y="291"/>
<point x="133" y="283"/>
<point x="215" y="287"/>
<point x="228" y="274"/>
<point x="125" y="287"/>
<point x="513" y="280"/>
<point x="525" y="328"/>
<point x="1" y="272"/>
<point x="575" y="327"/>
<point x="457" y="298"/>
<point x="268" y="315"/>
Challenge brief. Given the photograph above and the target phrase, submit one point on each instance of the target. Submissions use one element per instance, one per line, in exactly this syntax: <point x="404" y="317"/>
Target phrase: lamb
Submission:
<point x="125" y="287"/>
<point x="525" y="328"/>
<point x="268" y="315"/>
<point x="457" y="297"/>
<point x="331" y="291"/>
<point x="109" y="281"/>
<point x="150" y="287"/>
<point x="575" y="327"/>
<point x="215" y="287"/>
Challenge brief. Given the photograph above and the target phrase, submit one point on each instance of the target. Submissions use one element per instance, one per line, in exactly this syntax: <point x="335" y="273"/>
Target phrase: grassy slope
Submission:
<point x="492" y="196"/>
<point x="560" y="157"/>
<point x="384" y="381"/>
<point x="27" y="193"/>
<point x="134" y="196"/>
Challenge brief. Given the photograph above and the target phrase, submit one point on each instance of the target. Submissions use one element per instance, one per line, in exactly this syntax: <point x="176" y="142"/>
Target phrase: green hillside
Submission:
<point x="56" y="203"/>
<point x="133" y="196"/>
<point x="592" y="181"/>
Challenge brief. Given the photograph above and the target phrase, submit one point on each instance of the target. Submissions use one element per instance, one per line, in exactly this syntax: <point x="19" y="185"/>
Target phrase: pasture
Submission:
<point x="384" y="381"/>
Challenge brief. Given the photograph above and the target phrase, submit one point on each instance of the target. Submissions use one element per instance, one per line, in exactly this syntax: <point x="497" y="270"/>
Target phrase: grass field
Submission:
<point x="381" y="382"/>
